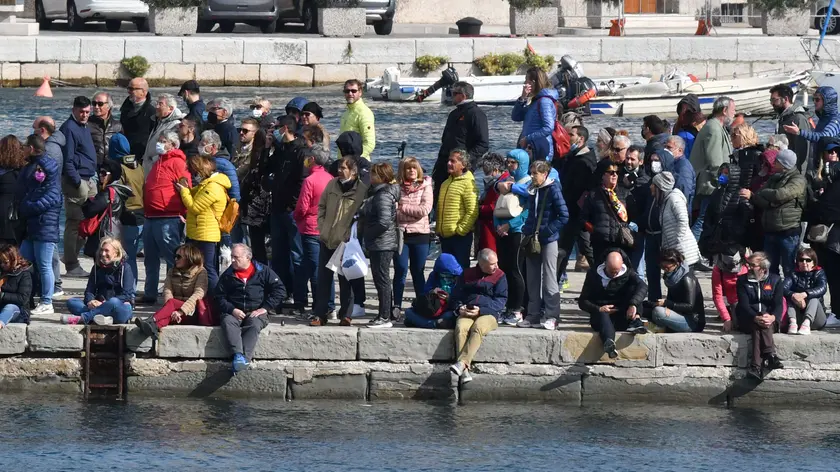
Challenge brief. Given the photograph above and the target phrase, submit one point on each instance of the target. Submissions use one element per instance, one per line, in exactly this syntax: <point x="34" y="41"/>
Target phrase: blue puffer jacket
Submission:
<point x="555" y="213"/>
<point x="685" y="179"/>
<point x="520" y="174"/>
<point x="538" y="121"/>
<point x="40" y="202"/>
<point x="115" y="280"/>
<point x="523" y="189"/>
<point x="829" y="124"/>
<point x="226" y="167"/>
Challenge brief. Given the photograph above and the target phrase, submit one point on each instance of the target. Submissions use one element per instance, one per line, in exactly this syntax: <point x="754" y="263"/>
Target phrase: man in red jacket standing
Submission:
<point x="163" y="230"/>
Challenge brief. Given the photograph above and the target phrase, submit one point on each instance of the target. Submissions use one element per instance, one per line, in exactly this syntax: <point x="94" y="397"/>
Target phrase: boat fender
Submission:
<point x="581" y="99"/>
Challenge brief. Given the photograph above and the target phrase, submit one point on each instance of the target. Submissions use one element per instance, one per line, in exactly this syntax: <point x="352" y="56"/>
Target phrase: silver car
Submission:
<point x="77" y="12"/>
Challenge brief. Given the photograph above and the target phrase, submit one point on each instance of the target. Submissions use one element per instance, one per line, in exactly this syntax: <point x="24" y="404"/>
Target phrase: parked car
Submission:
<point x="77" y="12"/>
<point x="833" y="23"/>
<point x="269" y="15"/>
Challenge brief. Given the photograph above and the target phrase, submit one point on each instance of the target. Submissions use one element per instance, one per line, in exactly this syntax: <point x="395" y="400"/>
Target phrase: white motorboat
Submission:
<point x="492" y="90"/>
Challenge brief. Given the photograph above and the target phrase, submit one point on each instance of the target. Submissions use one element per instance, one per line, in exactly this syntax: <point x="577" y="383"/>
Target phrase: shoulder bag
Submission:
<point x="531" y="242"/>
<point x="625" y="234"/>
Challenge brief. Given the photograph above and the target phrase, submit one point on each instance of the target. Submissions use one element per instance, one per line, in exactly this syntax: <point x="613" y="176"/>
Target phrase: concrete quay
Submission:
<point x="94" y="60"/>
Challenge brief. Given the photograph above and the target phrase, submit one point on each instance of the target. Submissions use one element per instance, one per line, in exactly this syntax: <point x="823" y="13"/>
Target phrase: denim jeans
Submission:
<point x="697" y="227"/>
<point x="286" y="250"/>
<point x="56" y="263"/>
<point x="308" y="274"/>
<point x="121" y="311"/>
<point x="413" y="256"/>
<point x="413" y="320"/>
<point x="458" y="246"/>
<point x="211" y="262"/>
<point x="667" y="318"/>
<point x="781" y="249"/>
<point x="346" y="288"/>
<point x="161" y="237"/>
<point x="10" y="314"/>
<point x="130" y="238"/>
<point x="637" y="257"/>
<point x="40" y="253"/>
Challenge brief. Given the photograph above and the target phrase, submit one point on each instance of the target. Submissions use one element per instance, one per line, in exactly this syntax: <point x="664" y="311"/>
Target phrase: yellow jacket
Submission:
<point x="457" y="206"/>
<point x="205" y="204"/>
<point x="359" y="118"/>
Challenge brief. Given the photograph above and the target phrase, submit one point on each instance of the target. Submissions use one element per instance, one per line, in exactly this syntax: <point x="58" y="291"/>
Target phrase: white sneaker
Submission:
<point x="549" y="324"/>
<point x="58" y="293"/>
<point x="332" y="316"/>
<point x="831" y="321"/>
<point x="358" y="311"/>
<point x="466" y="377"/>
<point x="43" y="309"/>
<point x="458" y="368"/>
<point x="103" y="320"/>
<point x="805" y="328"/>
<point x="512" y="318"/>
<point x="792" y="328"/>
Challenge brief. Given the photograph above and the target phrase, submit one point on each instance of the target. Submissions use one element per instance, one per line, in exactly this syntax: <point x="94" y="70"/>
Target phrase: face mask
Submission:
<point x="212" y="118"/>
<point x="205" y="116"/>
<point x="203" y="152"/>
<point x="723" y="179"/>
<point x="40" y="175"/>
<point x="256" y="113"/>
<point x="160" y="148"/>
<point x="277" y="135"/>
<point x="629" y="169"/>
<point x="345" y="181"/>
<point x="656" y="167"/>
<point x="763" y="172"/>
<point x="574" y="147"/>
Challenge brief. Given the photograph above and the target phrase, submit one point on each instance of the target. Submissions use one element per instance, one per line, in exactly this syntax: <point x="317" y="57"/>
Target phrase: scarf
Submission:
<point x="617" y="206"/>
<point x="245" y="275"/>
<point x="673" y="278"/>
<point x="411" y="187"/>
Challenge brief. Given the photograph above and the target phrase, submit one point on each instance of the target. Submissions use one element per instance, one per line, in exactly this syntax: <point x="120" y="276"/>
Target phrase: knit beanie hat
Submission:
<point x="787" y="159"/>
<point x="118" y="146"/>
<point x="664" y="181"/>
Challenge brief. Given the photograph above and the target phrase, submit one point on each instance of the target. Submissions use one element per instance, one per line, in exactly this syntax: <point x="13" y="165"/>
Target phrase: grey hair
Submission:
<point x="223" y="103"/>
<point x="678" y="141"/>
<point x="465" y="156"/>
<point x="212" y="138"/>
<point x="464" y="87"/>
<point x="170" y="100"/>
<point x="492" y="161"/>
<point x="172" y="138"/>
<point x="780" y="141"/>
<point x="245" y="248"/>
<point x="621" y="139"/>
<point x="721" y="105"/>
<point x="761" y="259"/>
<point x="484" y="254"/>
<point x="107" y="96"/>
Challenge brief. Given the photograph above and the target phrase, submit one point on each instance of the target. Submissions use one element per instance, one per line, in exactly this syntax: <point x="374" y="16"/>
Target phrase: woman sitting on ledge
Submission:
<point x="183" y="294"/>
<point x="15" y="286"/>
<point x="682" y="310"/>
<point x="110" y="289"/>
<point x="804" y="291"/>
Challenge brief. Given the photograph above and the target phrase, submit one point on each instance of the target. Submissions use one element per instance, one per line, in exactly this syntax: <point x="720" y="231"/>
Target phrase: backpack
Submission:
<point x="229" y="216"/>
<point x="559" y="135"/>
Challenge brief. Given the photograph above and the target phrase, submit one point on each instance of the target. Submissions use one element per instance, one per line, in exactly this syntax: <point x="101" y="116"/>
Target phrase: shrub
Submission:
<point x="778" y="8"/>
<point x="136" y="66"/>
<point x="500" y="64"/>
<point x="535" y="60"/>
<point x="530" y="4"/>
<point x="429" y="63"/>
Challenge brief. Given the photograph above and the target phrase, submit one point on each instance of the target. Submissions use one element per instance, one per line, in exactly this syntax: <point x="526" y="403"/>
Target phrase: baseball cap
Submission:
<point x="831" y="146"/>
<point x="189" y="86"/>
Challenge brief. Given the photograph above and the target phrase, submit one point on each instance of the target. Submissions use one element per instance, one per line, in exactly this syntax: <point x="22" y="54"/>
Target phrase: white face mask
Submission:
<point x="656" y="167"/>
<point x="256" y="113"/>
<point x="160" y="148"/>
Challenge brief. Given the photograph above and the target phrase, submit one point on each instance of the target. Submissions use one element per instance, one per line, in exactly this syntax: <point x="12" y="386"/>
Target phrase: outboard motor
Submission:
<point x="574" y="87"/>
<point x="447" y="79"/>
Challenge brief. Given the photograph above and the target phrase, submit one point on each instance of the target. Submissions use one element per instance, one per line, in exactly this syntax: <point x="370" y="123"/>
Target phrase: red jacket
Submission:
<point x="486" y="228"/>
<point x="724" y="291"/>
<point x="306" y="208"/>
<point x="160" y="199"/>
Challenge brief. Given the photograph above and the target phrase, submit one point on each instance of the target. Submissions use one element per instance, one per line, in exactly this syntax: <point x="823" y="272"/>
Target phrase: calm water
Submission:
<point x="55" y="433"/>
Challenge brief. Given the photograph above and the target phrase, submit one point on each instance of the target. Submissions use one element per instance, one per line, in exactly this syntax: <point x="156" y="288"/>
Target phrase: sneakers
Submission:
<point x="302" y="315"/>
<point x="511" y="318"/>
<point x="358" y="311"/>
<point x="755" y="372"/>
<point x="831" y="321"/>
<point x="239" y="363"/>
<point x="43" y="309"/>
<point x="773" y="362"/>
<point x="380" y="323"/>
<point x="58" y="293"/>
<point x="792" y="329"/>
<point x="332" y="315"/>
<point x="346" y="322"/>
<point x="77" y="273"/>
<point x="458" y="368"/>
<point x="636" y="327"/>
<point x="549" y="324"/>
<point x="71" y="319"/>
<point x="805" y="328"/>
<point x="103" y="320"/>
<point x="528" y="323"/>
<point x="703" y="265"/>
<point x="466" y="377"/>
<point x="609" y="348"/>
<point x="564" y="283"/>
<point x="581" y="264"/>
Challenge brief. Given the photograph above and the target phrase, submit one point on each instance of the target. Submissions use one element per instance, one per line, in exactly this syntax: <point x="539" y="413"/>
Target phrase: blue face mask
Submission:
<point x="204" y="116"/>
<point x="574" y="147"/>
<point x="277" y="136"/>
<point x="723" y="179"/>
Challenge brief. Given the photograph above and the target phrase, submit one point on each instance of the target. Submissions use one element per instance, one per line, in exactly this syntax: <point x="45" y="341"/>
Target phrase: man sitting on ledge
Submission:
<point x="612" y="294"/>
<point x="478" y="299"/>
<point x="246" y="291"/>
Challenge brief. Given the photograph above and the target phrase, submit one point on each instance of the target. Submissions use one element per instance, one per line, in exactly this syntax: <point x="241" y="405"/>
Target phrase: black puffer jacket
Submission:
<point x="749" y="160"/>
<point x="686" y="298"/>
<point x="623" y="291"/>
<point x="575" y="178"/>
<point x="137" y="124"/>
<point x="379" y="218"/>
<point x="287" y="174"/>
<point x="263" y="290"/>
<point x="101" y="132"/>
<point x="727" y="218"/>
<point x="813" y="283"/>
<point x="17" y="290"/>
<point x="11" y="232"/>
<point x="824" y="192"/>
<point x="599" y="213"/>
<point x="757" y="297"/>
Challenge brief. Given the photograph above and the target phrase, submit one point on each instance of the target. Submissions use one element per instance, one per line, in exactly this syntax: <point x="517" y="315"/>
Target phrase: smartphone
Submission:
<point x="471" y="307"/>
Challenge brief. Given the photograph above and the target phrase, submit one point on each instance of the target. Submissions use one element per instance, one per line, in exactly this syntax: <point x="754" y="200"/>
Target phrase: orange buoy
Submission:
<point x="44" y="90"/>
<point x="617" y="28"/>
<point x="703" y="28"/>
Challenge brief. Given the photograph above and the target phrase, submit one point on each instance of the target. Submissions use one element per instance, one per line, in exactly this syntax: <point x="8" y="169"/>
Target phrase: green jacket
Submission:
<point x="337" y="210"/>
<point x="782" y="199"/>
<point x="711" y="148"/>
<point x="359" y="118"/>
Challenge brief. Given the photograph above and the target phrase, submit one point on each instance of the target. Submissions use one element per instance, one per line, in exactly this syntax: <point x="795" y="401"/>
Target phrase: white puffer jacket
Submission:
<point x="676" y="233"/>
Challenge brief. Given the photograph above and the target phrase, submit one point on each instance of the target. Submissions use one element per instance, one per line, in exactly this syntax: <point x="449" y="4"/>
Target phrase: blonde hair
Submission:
<point x="747" y="133"/>
<point x="114" y="243"/>
<point x="409" y="163"/>
<point x="542" y="167"/>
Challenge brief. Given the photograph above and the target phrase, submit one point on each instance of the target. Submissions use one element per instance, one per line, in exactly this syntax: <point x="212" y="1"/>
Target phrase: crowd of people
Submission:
<point x="255" y="218"/>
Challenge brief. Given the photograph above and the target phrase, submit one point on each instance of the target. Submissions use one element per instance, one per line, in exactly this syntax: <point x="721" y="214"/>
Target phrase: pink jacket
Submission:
<point x="724" y="291"/>
<point x="306" y="210"/>
<point x="414" y="206"/>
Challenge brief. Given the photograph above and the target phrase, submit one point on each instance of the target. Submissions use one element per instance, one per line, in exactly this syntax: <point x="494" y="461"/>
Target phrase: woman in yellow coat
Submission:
<point x="457" y="209"/>
<point x="205" y="204"/>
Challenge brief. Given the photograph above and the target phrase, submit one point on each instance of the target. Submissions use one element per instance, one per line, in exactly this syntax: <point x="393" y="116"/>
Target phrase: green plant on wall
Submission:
<point x="429" y="63"/>
<point x="530" y="4"/>
<point x="500" y="64"/>
<point x="136" y="66"/>
<point x="778" y="8"/>
<point x="532" y="59"/>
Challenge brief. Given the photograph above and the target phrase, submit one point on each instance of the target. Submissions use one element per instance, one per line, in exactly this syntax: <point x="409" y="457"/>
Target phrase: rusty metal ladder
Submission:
<point x="104" y="362"/>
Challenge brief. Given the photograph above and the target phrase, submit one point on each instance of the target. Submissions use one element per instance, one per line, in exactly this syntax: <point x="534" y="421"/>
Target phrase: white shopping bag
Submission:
<point x="334" y="264"/>
<point x="353" y="262"/>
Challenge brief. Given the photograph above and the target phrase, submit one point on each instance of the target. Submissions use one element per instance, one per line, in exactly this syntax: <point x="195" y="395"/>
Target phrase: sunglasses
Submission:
<point x="104" y="172"/>
<point x="618" y="149"/>
<point x="611" y="172"/>
<point x="246" y="130"/>
<point x="351" y="91"/>
<point x="256" y="107"/>
<point x="178" y="257"/>
<point x="805" y="259"/>
<point x="99" y="104"/>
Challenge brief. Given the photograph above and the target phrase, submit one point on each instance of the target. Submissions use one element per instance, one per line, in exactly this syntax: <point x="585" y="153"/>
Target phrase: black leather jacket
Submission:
<point x="813" y="283"/>
<point x="686" y="298"/>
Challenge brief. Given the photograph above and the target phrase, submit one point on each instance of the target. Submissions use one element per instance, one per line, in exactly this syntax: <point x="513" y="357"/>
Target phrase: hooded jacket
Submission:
<point x="287" y="167"/>
<point x="205" y="204"/>
<point x="828" y="125"/>
<point x="306" y="208"/>
<point x="487" y="292"/>
<point x="656" y="144"/>
<point x="263" y="290"/>
<point x="337" y="210"/>
<point x="55" y="145"/>
<point x="360" y="119"/>
<point x="727" y="218"/>
<point x="40" y="202"/>
<point x="457" y="208"/>
<point x="466" y="128"/>
<point x="756" y="297"/>
<point x="519" y="176"/>
<point x="684" y="127"/>
<point x="576" y="176"/>
<point x="379" y="218"/>
<point x="415" y="206"/>
<point x="132" y="176"/>
<point x="162" y="125"/>
<point x="160" y="199"/>
<point x="686" y="298"/>
<point x="625" y="290"/>
<point x="555" y="215"/>
<point x="17" y="290"/>
<point x="79" y="152"/>
<point x="297" y="103"/>
<point x="137" y="124"/>
<point x="685" y="180"/>
<point x="113" y="280"/>
<point x="676" y="231"/>
<point x="796" y="115"/>
<point x="782" y="200"/>
<point x="102" y="131"/>
<point x="813" y="283"/>
<point x="446" y="264"/>
<point x="538" y="119"/>
<point x="711" y="147"/>
<point x="187" y="286"/>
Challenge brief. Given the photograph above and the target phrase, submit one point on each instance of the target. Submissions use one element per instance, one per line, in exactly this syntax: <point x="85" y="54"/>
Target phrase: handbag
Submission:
<point x="353" y="262"/>
<point x="507" y="205"/>
<point x="531" y="242"/>
<point x="625" y="234"/>
<point x="90" y="226"/>
<point x="819" y="233"/>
